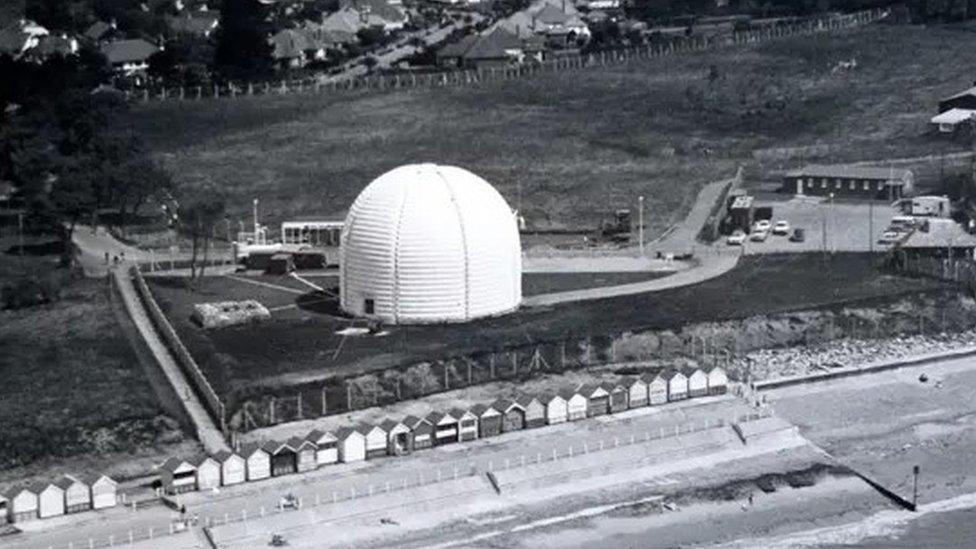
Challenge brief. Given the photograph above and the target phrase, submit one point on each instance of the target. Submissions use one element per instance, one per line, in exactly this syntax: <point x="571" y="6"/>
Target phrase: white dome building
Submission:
<point x="426" y="244"/>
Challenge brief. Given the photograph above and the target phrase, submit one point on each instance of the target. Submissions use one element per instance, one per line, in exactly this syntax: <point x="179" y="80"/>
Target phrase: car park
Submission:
<point x="737" y="238"/>
<point x="781" y="228"/>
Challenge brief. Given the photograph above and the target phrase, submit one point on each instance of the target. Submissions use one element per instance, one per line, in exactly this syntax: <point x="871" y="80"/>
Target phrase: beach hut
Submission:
<point x="21" y="504"/>
<point x="677" y="385"/>
<point x="233" y="468"/>
<point x="376" y="441"/>
<point x="399" y="438"/>
<point x="576" y="405"/>
<point x="258" y="461"/>
<point x="423" y="432"/>
<point x="489" y="420"/>
<point x="555" y="408"/>
<point x="618" y="395"/>
<point x="284" y="458"/>
<point x="445" y="427"/>
<point x="208" y="472"/>
<point x="50" y="500"/>
<point x="327" y="447"/>
<point x="657" y="388"/>
<point x="636" y="392"/>
<point x="597" y="399"/>
<point x="177" y="476"/>
<point x="305" y="454"/>
<point x="104" y="491"/>
<point x="352" y="444"/>
<point x="718" y="381"/>
<point x="77" y="496"/>
<point x="535" y="410"/>
<point x="467" y="424"/>
<point x="513" y="414"/>
<point x="697" y="382"/>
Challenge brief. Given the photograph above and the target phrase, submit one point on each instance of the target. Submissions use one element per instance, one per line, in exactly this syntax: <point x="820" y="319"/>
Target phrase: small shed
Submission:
<point x="618" y="395"/>
<point x="445" y="427"/>
<point x="177" y="476"/>
<point x="305" y="451"/>
<point x="258" y="461"/>
<point x="513" y="414"/>
<point x="423" y="432"/>
<point x="233" y="468"/>
<point x="327" y="447"/>
<point x="657" y="388"/>
<point x="280" y="264"/>
<point x="284" y="458"/>
<point x="697" y="382"/>
<point x="489" y="420"/>
<point x="467" y="424"/>
<point x="77" y="496"/>
<point x="597" y="399"/>
<point x="376" y="441"/>
<point x="535" y="410"/>
<point x="208" y="472"/>
<point x="718" y="381"/>
<point x="399" y="438"/>
<point x="21" y="504"/>
<point x="677" y="385"/>
<point x="636" y="392"/>
<point x="555" y="408"/>
<point x="50" y="500"/>
<point x="352" y="444"/>
<point x="576" y="405"/>
<point x="104" y="491"/>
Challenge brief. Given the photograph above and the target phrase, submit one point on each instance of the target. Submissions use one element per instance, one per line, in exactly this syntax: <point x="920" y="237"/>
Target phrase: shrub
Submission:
<point x="32" y="290"/>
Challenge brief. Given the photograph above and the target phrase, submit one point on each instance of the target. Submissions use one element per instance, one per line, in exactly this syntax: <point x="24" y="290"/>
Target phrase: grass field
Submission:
<point x="579" y="144"/>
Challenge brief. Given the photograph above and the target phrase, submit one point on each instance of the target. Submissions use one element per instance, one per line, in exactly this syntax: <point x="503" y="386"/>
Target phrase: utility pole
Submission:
<point x="255" y="211"/>
<point x="871" y="225"/>
<point x="640" y="223"/>
<point x="915" y="471"/>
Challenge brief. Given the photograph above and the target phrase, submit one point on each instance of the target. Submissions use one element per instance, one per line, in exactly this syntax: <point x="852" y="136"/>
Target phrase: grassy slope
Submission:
<point x="579" y="143"/>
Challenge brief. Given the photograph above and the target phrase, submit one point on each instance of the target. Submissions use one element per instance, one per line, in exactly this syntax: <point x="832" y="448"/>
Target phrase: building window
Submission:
<point x="369" y="307"/>
<point x="837" y="183"/>
<point x="823" y="183"/>
<point x="810" y="183"/>
<point x="867" y="186"/>
<point x="852" y="184"/>
<point x="880" y="185"/>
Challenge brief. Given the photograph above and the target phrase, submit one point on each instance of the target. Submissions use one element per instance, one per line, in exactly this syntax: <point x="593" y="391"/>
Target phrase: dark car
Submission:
<point x="798" y="235"/>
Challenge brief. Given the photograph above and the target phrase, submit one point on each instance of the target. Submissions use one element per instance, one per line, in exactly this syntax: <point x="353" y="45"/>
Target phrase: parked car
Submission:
<point x="889" y="237"/>
<point x="761" y="225"/>
<point x="737" y="238"/>
<point x="781" y="228"/>
<point x="289" y="502"/>
<point x="759" y="235"/>
<point x="799" y="235"/>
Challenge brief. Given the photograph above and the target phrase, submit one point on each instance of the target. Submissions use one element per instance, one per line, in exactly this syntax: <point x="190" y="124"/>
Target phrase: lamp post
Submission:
<point x="640" y="223"/>
<point x="915" y="471"/>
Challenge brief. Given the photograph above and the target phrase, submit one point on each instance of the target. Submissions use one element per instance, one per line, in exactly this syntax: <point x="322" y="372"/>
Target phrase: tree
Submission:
<point x="197" y="218"/>
<point x="242" y="50"/>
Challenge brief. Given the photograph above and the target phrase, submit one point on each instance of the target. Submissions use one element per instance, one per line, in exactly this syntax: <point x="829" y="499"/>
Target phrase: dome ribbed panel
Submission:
<point x="430" y="244"/>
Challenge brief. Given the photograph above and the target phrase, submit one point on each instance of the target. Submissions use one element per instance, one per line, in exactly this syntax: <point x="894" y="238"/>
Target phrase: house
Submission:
<point x="677" y="385"/>
<point x="927" y="206"/>
<point x="283" y="457"/>
<point x="233" y="468"/>
<point x="100" y="31"/>
<point x="326" y="444"/>
<point x="104" y="491"/>
<point x="597" y="399"/>
<point x="965" y="99"/>
<point x="399" y="437"/>
<point x="576" y="404"/>
<point x="850" y="181"/>
<point x="513" y="414"/>
<point x="496" y="48"/>
<point x="953" y="120"/>
<point x="467" y="424"/>
<point x="718" y="381"/>
<point x="289" y="48"/>
<point x="345" y="20"/>
<point x="377" y="441"/>
<point x="21" y="504"/>
<point x="423" y="432"/>
<point x="389" y="16"/>
<point x="618" y="395"/>
<point x="936" y="237"/>
<point x="51" y="46"/>
<point x="129" y="58"/>
<point x="177" y="476"/>
<point x="258" y="461"/>
<point x="305" y="454"/>
<point x="198" y="23"/>
<point x="50" y="499"/>
<point x="208" y="472"/>
<point x="452" y="55"/>
<point x="19" y="38"/>
<point x="636" y="392"/>
<point x="657" y="388"/>
<point x="352" y="444"/>
<point x="77" y="494"/>
<point x="445" y="427"/>
<point x="555" y="408"/>
<point x="697" y="382"/>
<point x="489" y="420"/>
<point x="535" y="411"/>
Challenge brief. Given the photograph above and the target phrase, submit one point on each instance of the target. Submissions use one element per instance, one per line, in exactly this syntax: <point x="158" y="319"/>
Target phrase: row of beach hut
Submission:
<point x="256" y="461"/>
<point x="66" y="495"/>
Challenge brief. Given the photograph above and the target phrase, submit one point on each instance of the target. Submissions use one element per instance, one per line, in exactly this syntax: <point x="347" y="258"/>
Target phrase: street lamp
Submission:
<point x="640" y="223"/>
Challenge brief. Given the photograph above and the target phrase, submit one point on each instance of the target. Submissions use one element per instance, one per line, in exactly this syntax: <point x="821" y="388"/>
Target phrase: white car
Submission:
<point x="781" y="228"/>
<point x="759" y="235"/>
<point x="890" y="237"/>
<point x="737" y="238"/>
<point x="761" y="225"/>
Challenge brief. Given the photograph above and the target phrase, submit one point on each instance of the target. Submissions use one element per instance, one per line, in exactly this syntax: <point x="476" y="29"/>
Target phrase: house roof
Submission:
<point x="458" y="413"/>
<point x="526" y="399"/>
<point x="494" y="45"/>
<point x="896" y="176"/>
<point x="551" y="15"/>
<point x="172" y="464"/>
<point x="567" y="393"/>
<point x="298" y="443"/>
<point x="346" y="432"/>
<point x="97" y="30"/>
<point x="671" y="373"/>
<point x="13" y="41"/>
<point x="39" y="486"/>
<point x="346" y="19"/>
<point x="248" y="449"/>
<point x="12" y="492"/>
<point x="290" y="44"/>
<point x="435" y="417"/>
<point x="199" y="23"/>
<point x="414" y="421"/>
<point x="55" y="45"/>
<point x="953" y="116"/>
<point x="66" y="481"/>
<point x="199" y="459"/>
<point x="128" y="51"/>
<point x="389" y="424"/>
<point x="938" y="233"/>
<point x="223" y="456"/>
<point x="503" y="405"/>
<point x="459" y="48"/>
<point x="967" y="92"/>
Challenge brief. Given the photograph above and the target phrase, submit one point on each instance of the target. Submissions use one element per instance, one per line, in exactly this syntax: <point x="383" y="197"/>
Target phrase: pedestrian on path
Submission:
<point x="106" y="258"/>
